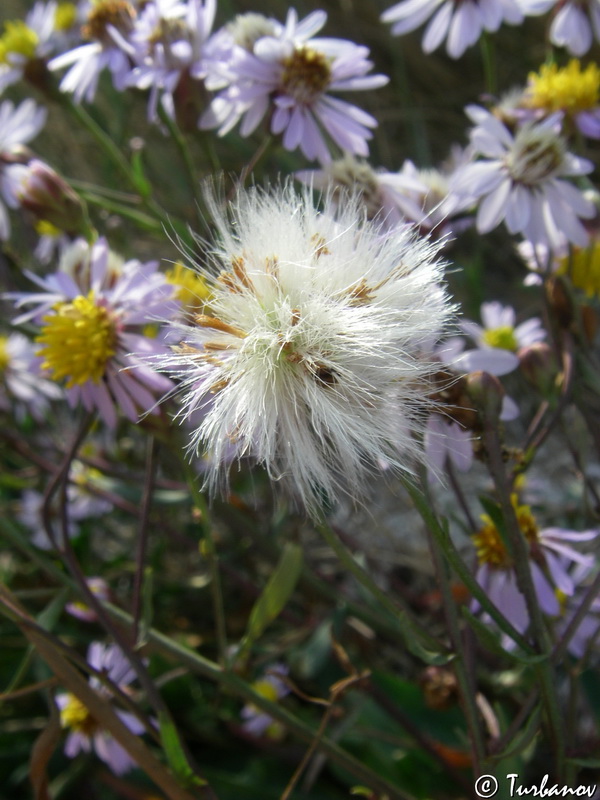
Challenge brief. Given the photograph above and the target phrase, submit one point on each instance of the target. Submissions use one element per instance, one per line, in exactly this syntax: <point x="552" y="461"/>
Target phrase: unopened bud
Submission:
<point x="439" y="686"/>
<point x="539" y="367"/>
<point x="48" y="197"/>
<point x="451" y="399"/>
<point x="560" y="301"/>
<point x="486" y="393"/>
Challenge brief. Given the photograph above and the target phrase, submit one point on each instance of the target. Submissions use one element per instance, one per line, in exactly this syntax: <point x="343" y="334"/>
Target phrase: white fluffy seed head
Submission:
<point x="313" y="358"/>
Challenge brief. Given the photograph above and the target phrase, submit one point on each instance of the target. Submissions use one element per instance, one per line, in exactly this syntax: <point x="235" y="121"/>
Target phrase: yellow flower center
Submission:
<point x="17" y="38"/>
<point x="503" y="337"/>
<point x="76" y="716"/>
<point x="4" y="356"/>
<point x="45" y="228"/>
<point x="569" y="89"/>
<point x="77" y="341"/>
<point x="192" y="290"/>
<point x="306" y="73"/>
<point x="489" y="544"/>
<point x="536" y="156"/>
<point x="266" y="689"/>
<point x="583" y="268"/>
<point x="65" y="16"/>
<point x="118" y="13"/>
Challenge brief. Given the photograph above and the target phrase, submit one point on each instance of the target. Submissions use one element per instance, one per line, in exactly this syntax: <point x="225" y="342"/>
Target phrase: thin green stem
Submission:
<point x="461" y="569"/>
<point x="526" y="586"/>
<point x="116" y="156"/>
<point x="185" y="153"/>
<point x="145" y="221"/>
<point x="209" y="551"/>
<point x="409" y="626"/>
<point x="465" y="685"/>
<point x="488" y="58"/>
<point x="142" y="541"/>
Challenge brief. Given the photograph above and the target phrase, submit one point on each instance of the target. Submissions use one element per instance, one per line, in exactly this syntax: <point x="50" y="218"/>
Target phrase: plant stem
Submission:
<point x="143" y="537"/>
<point x="466" y="689"/>
<point x="409" y="626"/>
<point x="185" y="153"/>
<point x="115" y="155"/>
<point x="461" y="569"/>
<point x="208" y="550"/>
<point x="488" y="58"/>
<point x="525" y="584"/>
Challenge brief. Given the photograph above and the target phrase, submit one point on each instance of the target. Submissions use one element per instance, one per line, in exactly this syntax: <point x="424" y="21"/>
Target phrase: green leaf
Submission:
<point x="276" y="594"/>
<point x="50" y="615"/>
<point x="522" y="739"/>
<point x="309" y="658"/>
<point x="175" y="754"/>
<point x="587" y="763"/>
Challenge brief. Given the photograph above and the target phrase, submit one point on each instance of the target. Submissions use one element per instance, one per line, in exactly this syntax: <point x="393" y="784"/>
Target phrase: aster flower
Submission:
<point x="293" y="73"/>
<point x="22" y="386"/>
<point x="449" y="433"/>
<point x="85" y="735"/>
<point x="575" y="23"/>
<point x="310" y="362"/>
<point x="581" y="265"/>
<point x="92" y="326"/>
<point x="272" y="687"/>
<point x="166" y="41"/>
<point x="521" y="180"/>
<point x="242" y="32"/>
<point x="440" y="208"/>
<point x="447" y="442"/>
<point x="52" y="243"/>
<point x="461" y="21"/>
<point x="499" y="328"/>
<point x="99" y="587"/>
<point x="191" y="289"/>
<point x="496" y="360"/>
<point x="385" y="195"/>
<point x="30" y="514"/>
<point x="24" y="42"/>
<point x="82" y="504"/>
<point x="588" y="629"/>
<point x="17" y="127"/>
<point x="551" y="555"/>
<point x="107" y="23"/>
<point x="571" y="90"/>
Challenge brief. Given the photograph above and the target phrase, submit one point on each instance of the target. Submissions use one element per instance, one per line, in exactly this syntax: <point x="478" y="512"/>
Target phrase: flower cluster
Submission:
<point x="256" y="66"/>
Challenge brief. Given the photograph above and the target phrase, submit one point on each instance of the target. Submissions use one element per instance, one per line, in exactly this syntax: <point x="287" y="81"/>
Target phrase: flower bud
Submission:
<point x="539" y="367"/>
<point x="48" y="197"/>
<point x="451" y="399"/>
<point x="560" y="301"/>
<point x="439" y="686"/>
<point x="486" y="393"/>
